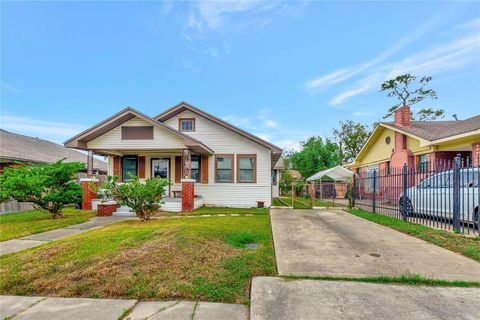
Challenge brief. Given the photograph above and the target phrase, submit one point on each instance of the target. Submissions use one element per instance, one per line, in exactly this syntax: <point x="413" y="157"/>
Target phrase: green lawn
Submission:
<point x="196" y="259"/>
<point x="467" y="246"/>
<point x="20" y="224"/>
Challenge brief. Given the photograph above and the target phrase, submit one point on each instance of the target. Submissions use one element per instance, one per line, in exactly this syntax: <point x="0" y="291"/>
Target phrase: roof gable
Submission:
<point x="182" y="106"/>
<point x="81" y="139"/>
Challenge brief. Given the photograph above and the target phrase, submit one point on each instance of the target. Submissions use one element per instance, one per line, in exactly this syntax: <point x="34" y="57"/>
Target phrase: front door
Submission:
<point x="161" y="168"/>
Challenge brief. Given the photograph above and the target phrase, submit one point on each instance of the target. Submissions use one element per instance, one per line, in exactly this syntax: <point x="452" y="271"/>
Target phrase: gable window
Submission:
<point x="137" y="133"/>
<point x="195" y="161"/>
<point x="247" y="167"/>
<point x="224" y="168"/>
<point x="186" y="125"/>
<point x="129" y="167"/>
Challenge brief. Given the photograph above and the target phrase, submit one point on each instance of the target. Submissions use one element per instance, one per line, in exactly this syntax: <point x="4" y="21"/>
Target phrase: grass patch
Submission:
<point x="226" y="210"/>
<point x="193" y="259"/>
<point x="20" y="224"/>
<point x="325" y="203"/>
<point x="467" y="246"/>
<point x="302" y="203"/>
<point x="416" y="280"/>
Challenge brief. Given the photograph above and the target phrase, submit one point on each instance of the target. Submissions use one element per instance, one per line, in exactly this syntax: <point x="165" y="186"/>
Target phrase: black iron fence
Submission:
<point x="442" y="194"/>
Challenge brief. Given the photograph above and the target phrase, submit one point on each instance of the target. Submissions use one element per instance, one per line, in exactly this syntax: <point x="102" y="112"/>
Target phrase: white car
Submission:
<point x="434" y="196"/>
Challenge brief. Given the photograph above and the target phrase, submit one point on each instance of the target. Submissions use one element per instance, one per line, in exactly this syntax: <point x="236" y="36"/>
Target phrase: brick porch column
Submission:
<point x="476" y="154"/>
<point x="188" y="194"/>
<point x="88" y="194"/>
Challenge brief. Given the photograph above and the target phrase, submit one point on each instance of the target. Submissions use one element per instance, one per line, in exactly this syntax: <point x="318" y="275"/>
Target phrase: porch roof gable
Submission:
<point x="80" y="140"/>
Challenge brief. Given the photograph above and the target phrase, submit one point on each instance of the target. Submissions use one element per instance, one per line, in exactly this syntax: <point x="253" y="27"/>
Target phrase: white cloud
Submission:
<point x="11" y="88"/>
<point x="56" y="131"/>
<point x="288" y="144"/>
<point x="460" y="52"/>
<point x="347" y="73"/>
<point x="270" y="123"/>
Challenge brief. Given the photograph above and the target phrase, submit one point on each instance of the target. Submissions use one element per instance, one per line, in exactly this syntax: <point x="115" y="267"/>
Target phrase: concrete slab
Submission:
<point x="11" y="305"/>
<point x="76" y="309"/>
<point x="220" y="311"/>
<point x="335" y="243"/>
<point x="275" y="298"/>
<point x="146" y="309"/>
<point x="15" y="245"/>
<point x="181" y="311"/>
<point x="53" y="234"/>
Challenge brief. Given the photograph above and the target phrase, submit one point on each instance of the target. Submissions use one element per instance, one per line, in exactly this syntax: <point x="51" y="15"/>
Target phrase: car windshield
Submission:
<point x="469" y="178"/>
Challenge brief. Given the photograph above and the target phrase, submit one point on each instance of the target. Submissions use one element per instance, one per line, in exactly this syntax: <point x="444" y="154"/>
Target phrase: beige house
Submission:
<point x="225" y="165"/>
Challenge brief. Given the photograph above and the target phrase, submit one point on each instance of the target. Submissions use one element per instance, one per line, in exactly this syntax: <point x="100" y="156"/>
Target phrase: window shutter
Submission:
<point x="204" y="169"/>
<point x="141" y="167"/>
<point x="117" y="166"/>
<point x="178" y="169"/>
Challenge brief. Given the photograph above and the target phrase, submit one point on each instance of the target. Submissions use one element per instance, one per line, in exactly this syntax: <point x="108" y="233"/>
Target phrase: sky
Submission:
<point x="281" y="70"/>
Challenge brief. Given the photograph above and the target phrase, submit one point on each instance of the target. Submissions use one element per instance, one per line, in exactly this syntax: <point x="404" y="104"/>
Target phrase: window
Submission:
<point x="195" y="161"/>
<point x="129" y="167"/>
<point x="186" y="125"/>
<point x="371" y="179"/>
<point x="224" y="168"/>
<point x="246" y="168"/>
<point x="388" y="168"/>
<point x="423" y="163"/>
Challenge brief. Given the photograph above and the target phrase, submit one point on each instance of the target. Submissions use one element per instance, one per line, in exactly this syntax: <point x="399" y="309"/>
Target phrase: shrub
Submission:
<point x="48" y="186"/>
<point x="144" y="197"/>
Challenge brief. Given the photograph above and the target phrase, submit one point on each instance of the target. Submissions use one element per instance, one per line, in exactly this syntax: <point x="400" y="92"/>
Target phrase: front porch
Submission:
<point x="183" y="168"/>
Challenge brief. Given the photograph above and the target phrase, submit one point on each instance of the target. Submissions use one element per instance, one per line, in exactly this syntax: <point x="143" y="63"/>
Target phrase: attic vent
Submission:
<point x="137" y="133"/>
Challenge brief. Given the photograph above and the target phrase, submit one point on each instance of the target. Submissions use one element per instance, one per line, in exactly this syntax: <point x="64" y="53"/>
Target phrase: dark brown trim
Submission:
<point x="232" y="159"/>
<point x="204" y="169"/>
<point x="80" y="140"/>
<point x="137" y="132"/>
<point x="141" y="167"/>
<point x="178" y="169"/>
<point x="254" y="156"/>
<point x="180" y="124"/>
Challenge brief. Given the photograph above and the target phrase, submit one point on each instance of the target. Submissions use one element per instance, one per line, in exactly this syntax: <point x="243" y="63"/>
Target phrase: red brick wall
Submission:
<point x="476" y="154"/>
<point x="188" y="196"/>
<point x="87" y="196"/>
<point x="104" y="210"/>
<point x="402" y="116"/>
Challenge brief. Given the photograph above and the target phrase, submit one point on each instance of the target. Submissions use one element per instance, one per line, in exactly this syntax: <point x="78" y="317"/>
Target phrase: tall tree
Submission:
<point x="350" y="138"/>
<point x="401" y="88"/>
<point x="316" y="154"/>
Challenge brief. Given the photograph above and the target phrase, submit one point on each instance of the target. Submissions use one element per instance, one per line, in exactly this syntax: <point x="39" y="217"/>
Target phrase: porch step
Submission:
<point x="124" y="211"/>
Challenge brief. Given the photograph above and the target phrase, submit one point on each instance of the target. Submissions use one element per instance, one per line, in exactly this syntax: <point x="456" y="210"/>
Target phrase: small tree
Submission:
<point x="143" y="197"/>
<point x="350" y="137"/>
<point x="48" y="186"/>
<point x="400" y="87"/>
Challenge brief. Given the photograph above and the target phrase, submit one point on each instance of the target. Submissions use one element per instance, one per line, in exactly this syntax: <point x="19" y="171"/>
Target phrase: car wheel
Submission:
<point x="408" y="212"/>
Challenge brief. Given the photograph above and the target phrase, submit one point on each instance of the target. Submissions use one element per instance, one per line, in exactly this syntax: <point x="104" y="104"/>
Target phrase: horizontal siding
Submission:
<point x="113" y="139"/>
<point x="225" y="141"/>
<point x="414" y="146"/>
<point x="379" y="151"/>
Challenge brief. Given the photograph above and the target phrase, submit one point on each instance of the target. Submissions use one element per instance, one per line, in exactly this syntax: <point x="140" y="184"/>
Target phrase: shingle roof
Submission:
<point x="18" y="147"/>
<point x="434" y="130"/>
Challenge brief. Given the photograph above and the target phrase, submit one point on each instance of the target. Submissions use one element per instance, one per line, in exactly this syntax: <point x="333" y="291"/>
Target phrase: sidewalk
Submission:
<point x="38" y="239"/>
<point x="41" y="308"/>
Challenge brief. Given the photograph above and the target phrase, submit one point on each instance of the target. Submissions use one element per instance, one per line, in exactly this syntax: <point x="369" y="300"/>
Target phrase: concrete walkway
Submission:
<point x="275" y="298"/>
<point x="336" y="243"/>
<point x="38" y="239"/>
<point x="41" y="308"/>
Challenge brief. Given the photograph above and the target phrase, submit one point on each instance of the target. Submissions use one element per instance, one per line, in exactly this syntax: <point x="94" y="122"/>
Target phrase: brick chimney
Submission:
<point x="402" y="116"/>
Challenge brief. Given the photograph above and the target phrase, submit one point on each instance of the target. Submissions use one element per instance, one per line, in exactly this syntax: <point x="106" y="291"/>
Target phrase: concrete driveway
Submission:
<point x="275" y="298"/>
<point x="335" y="243"/>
